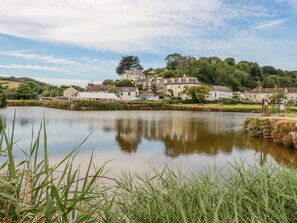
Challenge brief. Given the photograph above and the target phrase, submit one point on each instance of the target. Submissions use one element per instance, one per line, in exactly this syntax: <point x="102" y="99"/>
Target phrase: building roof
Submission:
<point x="97" y="95"/>
<point x="144" y="80"/>
<point x="126" y="89"/>
<point x="181" y="80"/>
<point x="71" y="88"/>
<point x="220" y="88"/>
<point x="132" y="72"/>
<point x="98" y="87"/>
<point x="145" y="94"/>
<point x="260" y="90"/>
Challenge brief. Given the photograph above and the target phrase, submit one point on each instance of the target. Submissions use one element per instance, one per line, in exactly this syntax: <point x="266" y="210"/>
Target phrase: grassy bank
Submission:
<point x="280" y="130"/>
<point x="92" y="105"/>
<point x="147" y="105"/>
<point x="33" y="190"/>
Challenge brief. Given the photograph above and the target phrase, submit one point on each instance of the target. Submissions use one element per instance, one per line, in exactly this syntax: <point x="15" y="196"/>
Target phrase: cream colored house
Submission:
<point x="176" y="87"/>
<point x="70" y="92"/>
<point x="132" y="75"/>
<point x="127" y="93"/>
<point x="219" y="92"/>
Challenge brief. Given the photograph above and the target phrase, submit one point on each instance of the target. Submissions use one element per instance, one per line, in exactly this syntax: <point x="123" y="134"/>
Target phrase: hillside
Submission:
<point x="13" y="82"/>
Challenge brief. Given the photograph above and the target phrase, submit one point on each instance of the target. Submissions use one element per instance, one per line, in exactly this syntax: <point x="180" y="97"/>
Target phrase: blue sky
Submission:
<point x="74" y="41"/>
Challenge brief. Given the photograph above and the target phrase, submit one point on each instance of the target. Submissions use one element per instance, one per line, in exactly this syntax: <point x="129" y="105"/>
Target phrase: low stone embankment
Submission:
<point x="280" y="130"/>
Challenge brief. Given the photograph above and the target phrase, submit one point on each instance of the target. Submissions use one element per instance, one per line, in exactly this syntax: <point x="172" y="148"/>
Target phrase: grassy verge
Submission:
<point x="147" y="105"/>
<point x="32" y="190"/>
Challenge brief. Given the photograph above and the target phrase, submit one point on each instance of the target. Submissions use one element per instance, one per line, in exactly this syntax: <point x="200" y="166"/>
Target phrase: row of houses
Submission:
<point x="108" y="92"/>
<point x="147" y="88"/>
<point x="259" y="93"/>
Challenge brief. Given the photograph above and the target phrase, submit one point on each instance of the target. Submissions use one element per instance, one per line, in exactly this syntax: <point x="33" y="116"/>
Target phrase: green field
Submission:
<point x="9" y="84"/>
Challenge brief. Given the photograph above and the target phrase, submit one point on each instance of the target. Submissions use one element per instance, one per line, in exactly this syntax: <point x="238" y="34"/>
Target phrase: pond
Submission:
<point x="139" y="140"/>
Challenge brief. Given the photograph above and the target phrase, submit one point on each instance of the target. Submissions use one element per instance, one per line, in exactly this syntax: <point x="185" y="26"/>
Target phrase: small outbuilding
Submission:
<point x="97" y="96"/>
<point x="70" y="92"/>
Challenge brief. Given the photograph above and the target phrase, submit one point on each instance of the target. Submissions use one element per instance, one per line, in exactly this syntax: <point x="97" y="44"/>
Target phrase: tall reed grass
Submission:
<point x="33" y="190"/>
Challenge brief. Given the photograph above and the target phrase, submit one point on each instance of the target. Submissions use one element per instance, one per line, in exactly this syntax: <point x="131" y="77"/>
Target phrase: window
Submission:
<point x="122" y="93"/>
<point x="129" y="93"/>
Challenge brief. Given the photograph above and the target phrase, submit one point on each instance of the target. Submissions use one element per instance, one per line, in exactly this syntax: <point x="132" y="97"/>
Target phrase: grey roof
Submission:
<point x="220" y="88"/>
<point x="98" y="87"/>
<point x="181" y="80"/>
<point x="145" y="94"/>
<point x="260" y="90"/>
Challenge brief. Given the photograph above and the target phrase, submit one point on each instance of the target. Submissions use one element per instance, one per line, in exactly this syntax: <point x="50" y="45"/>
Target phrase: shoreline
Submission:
<point x="282" y="130"/>
<point x="137" y="105"/>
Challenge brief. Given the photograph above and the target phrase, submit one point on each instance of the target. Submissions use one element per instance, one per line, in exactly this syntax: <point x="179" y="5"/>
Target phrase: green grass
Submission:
<point x="33" y="190"/>
<point x="9" y="84"/>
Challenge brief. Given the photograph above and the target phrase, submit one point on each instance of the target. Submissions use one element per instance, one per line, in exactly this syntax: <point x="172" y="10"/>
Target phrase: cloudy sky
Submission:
<point x="73" y="41"/>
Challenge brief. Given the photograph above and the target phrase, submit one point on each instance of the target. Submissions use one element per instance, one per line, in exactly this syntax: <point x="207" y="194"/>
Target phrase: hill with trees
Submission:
<point x="27" y="88"/>
<point x="216" y="71"/>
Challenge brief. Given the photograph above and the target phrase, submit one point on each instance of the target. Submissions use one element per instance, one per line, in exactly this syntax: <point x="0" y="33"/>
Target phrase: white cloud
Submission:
<point x="270" y="24"/>
<point x="36" y="57"/>
<point x="32" y="67"/>
<point x="59" y="82"/>
<point x="117" y="25"/>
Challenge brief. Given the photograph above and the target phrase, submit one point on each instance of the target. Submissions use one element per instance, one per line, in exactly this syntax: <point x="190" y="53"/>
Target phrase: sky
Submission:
<point x="78" y="41"/>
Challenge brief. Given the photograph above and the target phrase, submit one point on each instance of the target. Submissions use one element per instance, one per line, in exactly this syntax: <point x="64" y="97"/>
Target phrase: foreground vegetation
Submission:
<point x="33" y="190"/>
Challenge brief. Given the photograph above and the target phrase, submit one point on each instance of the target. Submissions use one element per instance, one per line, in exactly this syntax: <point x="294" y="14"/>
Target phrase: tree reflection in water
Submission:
<point x="185" y="136"/>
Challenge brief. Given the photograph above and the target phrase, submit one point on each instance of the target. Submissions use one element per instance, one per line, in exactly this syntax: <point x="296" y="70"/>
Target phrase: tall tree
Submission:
<point x="198" y="93"/>
<point x="172" y="61"/>
<point x="129" y="63"/>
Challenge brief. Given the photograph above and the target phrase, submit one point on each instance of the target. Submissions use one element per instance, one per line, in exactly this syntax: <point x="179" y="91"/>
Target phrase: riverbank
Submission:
<point x="134" y="105"/>
<point x="281" y="130"/>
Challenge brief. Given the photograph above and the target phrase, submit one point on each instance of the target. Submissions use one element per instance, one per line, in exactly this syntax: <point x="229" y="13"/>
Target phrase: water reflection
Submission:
<point x="164" y="136"/>
<point x="180" y="135"/>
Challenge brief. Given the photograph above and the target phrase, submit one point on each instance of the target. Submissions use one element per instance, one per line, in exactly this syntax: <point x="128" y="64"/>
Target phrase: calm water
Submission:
<point x="137" y="140"/>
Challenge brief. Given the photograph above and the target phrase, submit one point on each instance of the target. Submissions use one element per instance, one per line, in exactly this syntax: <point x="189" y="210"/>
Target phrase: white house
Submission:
<point x="70" y="92"/>
<point x="96" y="96"/>
<point x="127" y="93"/>
<point x="132" y="75"/>
<point x="219" y="92"/>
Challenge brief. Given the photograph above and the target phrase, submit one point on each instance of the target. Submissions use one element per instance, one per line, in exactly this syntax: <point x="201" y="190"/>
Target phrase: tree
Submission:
<point x="268" y="82"/>
<point x="24" y="91"/>
<point x="230" y="61"/>
<point x="198" y="93"/>
<point x="108" y="82"/>
<point x="124" y="83"/>
<point x="129" y="63"/>
<point x="279" y="95"/>
<point x="172" y="61"/>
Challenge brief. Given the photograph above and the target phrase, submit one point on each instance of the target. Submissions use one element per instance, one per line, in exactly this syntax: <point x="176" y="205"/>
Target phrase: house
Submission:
<point x="132" y="75"/>
<point x="127" y="93"/>
<point x="219" y="92"/>
<point x="155" y="85"/>
<point x="258" y="94"/>
<point x="176" y="87"/>
<point x="70" y="92"/>
<point x="96" y="96"/>
<point x="147" y="95"/>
